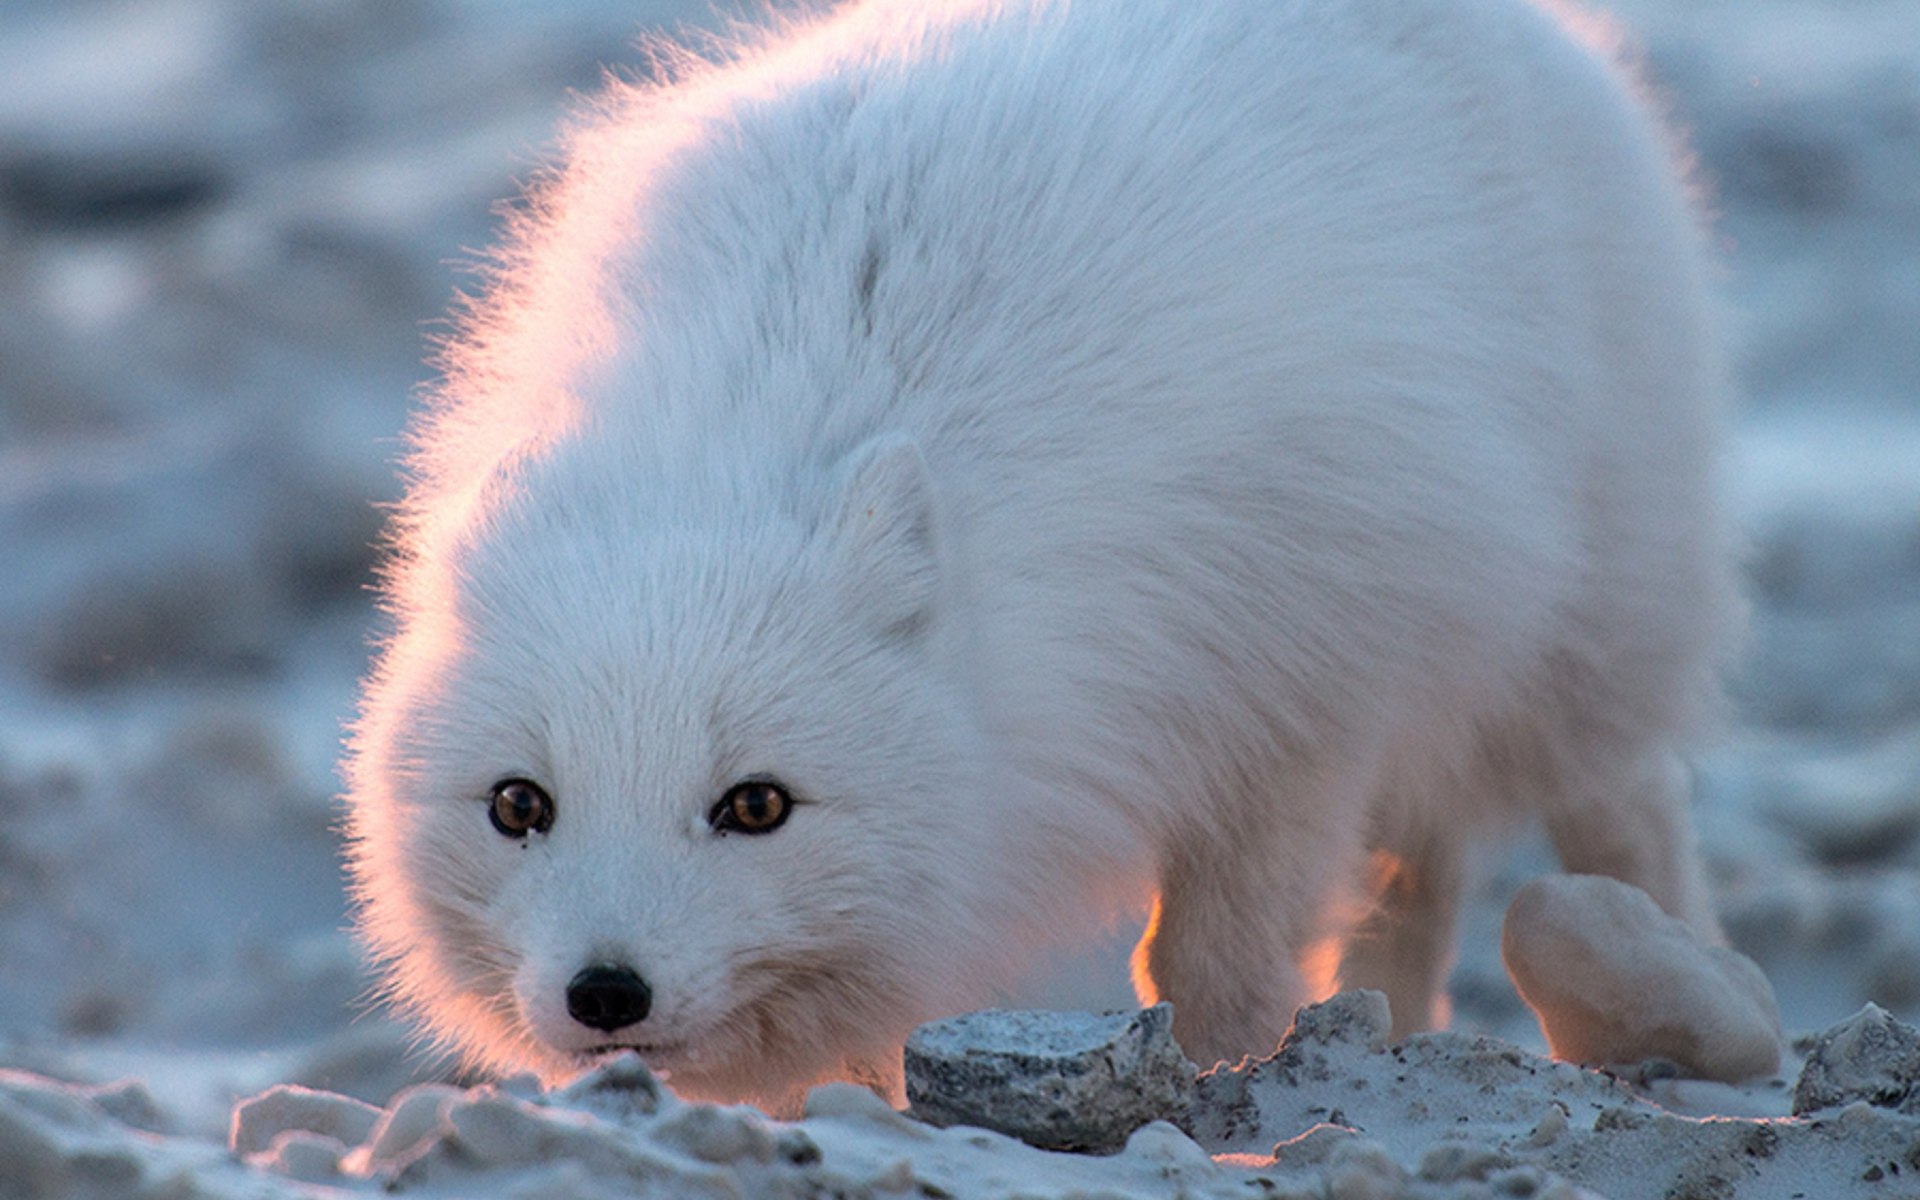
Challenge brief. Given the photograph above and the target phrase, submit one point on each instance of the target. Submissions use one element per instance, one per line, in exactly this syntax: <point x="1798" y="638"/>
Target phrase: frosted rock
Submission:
<point x="796" y="1149"/>
<point x="851" y="1102"/>
<point x="257" y="1121"/>
<point x="1613" y="980"/>
<point x="1362" y="1170"/>
<point x="1553" y="1123"/>
<point x="1869" y="1056"/>
<point x="413" y="1116"/>
<point x="129" y="1102"/>
<point x="1450" y="1162"/>
<point x="1059" y="1081"/>
<point x="497" y="1130"/>
<point x="307" y="1157"/>
<point x="621" y="1088"/>
<point x="1359" y="1017"/>
<point x="896" y="1177"/>
<point x="1174" y="1154"/>
<point x="1314" y="1147"/>
<point x="716" y="1135"/>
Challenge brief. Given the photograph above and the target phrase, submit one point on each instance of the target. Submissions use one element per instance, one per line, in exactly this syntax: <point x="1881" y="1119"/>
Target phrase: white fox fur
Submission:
<point x="1226" y="451"/>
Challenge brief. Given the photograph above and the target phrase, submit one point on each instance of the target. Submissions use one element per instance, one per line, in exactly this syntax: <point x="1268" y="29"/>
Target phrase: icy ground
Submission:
<point x="227" y="228"/>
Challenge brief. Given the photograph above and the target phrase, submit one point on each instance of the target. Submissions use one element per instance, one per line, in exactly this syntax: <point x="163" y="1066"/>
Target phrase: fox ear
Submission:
<point x="886" y="533"/>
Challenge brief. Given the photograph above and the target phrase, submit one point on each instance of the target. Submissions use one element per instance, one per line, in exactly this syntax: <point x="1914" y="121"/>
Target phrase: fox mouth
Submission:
<point x="656" y="1054"/>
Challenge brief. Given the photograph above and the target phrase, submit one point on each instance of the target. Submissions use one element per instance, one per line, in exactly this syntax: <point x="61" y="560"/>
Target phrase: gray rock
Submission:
<point x="1058" y="1081"/>
<point x="1870" y="1056"/>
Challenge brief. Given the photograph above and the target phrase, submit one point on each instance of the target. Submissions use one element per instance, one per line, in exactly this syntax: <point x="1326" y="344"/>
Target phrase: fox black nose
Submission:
<point x="607" y="996"/>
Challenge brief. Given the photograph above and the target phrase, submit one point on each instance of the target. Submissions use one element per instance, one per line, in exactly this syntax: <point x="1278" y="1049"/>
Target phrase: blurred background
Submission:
<point x="228" y="232"/>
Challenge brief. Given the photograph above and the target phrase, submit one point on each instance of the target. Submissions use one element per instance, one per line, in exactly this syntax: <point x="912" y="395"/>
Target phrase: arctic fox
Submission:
<point x="953" y="470"/>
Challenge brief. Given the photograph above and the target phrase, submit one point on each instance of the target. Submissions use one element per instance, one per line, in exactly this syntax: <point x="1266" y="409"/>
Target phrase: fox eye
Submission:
<point x="520" y="807"/>
<point x="755" y="806"/>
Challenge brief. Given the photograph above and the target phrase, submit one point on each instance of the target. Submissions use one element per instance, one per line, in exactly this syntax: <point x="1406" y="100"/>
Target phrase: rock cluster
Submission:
<point x="1337" y="1112"/>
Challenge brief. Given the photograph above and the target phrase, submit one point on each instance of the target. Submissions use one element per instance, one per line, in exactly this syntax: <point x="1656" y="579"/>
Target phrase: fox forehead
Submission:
<point x="697" y="660"/>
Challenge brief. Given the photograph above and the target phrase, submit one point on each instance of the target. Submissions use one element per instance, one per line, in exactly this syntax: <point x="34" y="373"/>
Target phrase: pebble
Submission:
<point x="1058" y="1081"/>
<point x="1613" y="980"/>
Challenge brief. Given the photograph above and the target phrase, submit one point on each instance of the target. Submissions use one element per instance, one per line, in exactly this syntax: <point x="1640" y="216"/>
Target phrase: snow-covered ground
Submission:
<point x="227" y="229"/>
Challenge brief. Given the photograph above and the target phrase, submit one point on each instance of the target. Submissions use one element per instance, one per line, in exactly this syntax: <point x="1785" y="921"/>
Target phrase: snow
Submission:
<point x="228" y="229"/>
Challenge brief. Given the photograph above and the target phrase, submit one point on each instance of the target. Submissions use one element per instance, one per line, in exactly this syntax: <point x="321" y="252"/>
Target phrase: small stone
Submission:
<point x="1363" y="1170"/>
<point x="1314" y="1147"/>
<point x="851" y="1102"/>
<point x="299" y="1155"/>
<point x="1359" y="1017"/>
<point x="1857" y="1118"/>
<point x="897" y="1176"/>
<point x="1173" y="1152"/>
<point x="1450" y="1162"/>
<point x="129" y="1102"/>
<point x="795" y="1148"/>
<point x="1551" y="1125"/>
<point x="621" y="1088"/>
<point x="845" y="1100"/>
<point x="1870" y="1056"/>
<point x="1614" y="980"/>
<point x="1058" y="1081"/>
<point x="716" y="1135"/>
<point x="260" y="1119"/>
